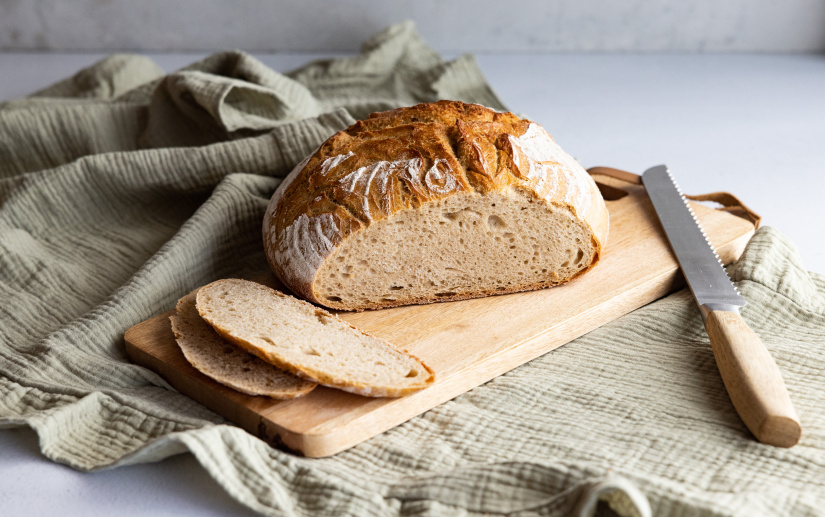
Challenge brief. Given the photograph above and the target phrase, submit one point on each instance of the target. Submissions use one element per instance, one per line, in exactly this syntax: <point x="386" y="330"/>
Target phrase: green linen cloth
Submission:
<point x="121" y="189"/>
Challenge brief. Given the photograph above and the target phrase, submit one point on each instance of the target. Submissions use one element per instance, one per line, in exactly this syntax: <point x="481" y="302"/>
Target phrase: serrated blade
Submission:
<point x="707" y="279"/>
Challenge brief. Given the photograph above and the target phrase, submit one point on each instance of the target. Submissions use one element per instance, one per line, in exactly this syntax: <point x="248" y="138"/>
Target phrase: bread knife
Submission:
<point x="751" y="377"/>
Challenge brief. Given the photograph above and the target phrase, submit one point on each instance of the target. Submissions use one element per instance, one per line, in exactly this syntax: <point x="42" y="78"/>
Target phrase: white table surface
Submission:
<point x="753" y="125"/>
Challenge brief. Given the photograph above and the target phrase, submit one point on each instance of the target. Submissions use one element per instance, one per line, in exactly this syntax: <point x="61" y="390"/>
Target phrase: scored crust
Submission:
<point x="448" y="156"/>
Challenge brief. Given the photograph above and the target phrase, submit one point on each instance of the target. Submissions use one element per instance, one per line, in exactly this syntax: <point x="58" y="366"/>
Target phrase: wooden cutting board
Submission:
<point x="468" y="342"/>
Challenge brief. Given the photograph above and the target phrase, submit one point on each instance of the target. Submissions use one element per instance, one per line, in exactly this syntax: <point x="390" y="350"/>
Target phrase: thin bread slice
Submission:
<point x="308" y="341"/>
<point x="226" y="363"/>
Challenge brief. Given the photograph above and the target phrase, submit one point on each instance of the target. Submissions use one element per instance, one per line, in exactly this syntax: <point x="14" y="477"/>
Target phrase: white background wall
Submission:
<point x="448" y="25"/>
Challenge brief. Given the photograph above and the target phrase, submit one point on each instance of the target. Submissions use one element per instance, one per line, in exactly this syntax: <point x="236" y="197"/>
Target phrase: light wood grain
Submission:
<point x="467" y="343"/>
<point x="753" y="380"/>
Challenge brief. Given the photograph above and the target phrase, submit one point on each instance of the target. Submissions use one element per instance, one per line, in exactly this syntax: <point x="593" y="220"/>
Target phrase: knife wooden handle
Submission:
<point x="753" y="380"/>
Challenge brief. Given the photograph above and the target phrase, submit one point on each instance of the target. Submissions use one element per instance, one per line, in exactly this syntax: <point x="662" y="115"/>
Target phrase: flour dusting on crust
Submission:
<point x="550" y="169"/>
<point x="441" y="179"/>
<point x="376" y="182"/>
<point x="305" y="244"/>
<point x="308" y="240"/>
<point x="333" y="161"/>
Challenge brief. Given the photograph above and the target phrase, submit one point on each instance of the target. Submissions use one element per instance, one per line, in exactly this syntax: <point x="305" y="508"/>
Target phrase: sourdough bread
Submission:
<point x="308" y="341"/>
<point x="435" y="202"/>
<point x="226" y="363"/>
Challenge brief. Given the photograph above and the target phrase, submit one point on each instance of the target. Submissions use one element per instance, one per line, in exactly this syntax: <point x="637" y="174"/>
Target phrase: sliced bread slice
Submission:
<point x="226" y="363"/>
<point x="308" y="341"/>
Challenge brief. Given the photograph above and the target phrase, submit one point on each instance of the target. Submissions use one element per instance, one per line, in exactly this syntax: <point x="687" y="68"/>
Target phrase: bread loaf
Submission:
<point x="308" y="341"/>
<point x="435" y="202"/>
<point x="226" y="363"/>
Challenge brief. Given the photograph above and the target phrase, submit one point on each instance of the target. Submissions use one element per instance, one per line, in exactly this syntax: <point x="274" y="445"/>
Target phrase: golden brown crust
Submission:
<point x="464" y="136"/>
<point x="401" y="159"/>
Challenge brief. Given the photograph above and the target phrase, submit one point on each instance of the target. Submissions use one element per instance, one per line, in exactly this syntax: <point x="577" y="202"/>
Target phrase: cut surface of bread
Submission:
<point x="225" y="362"/>
<point x="456" y="248"/>
<point x="308" y="341"/>
<point x="435" y="202"/>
